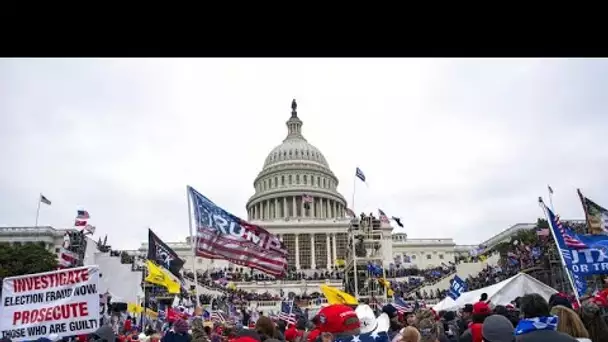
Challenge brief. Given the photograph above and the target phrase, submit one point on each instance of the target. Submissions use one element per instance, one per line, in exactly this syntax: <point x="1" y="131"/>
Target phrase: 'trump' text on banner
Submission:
<point x="64" y="302"/>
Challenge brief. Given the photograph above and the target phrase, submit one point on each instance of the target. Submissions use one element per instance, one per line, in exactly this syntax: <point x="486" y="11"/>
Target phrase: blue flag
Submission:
<point x="580" y="283"/>
<point x="457" y="287"/>
<point x="583" y="254"/>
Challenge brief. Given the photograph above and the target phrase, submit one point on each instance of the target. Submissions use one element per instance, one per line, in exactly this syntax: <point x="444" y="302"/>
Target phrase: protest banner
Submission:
<point x="64" y="302"/>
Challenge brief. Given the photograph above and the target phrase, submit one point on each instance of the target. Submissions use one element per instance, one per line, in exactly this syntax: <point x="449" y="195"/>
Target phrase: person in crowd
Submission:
<point x="393" y="315"/>
<point x="128" y="325"/>
<point x="338" y="319"/>
<point x="429" y="330"/>
<point x="410" y="319"/>
<point x="559" y="299"/>
<point x="410" y="334"/>
<point x="246" y="335"/>
<point x="266" y="328"/>
<point x="103" y="334"/>
<point x="200" y="333"/>
<point x="570" y="323"/>
<point x="156" y="338"/>
<point x="179" y="333"/>
<point x="537" y="324"/>
<point x="481" y="310"/>
<point x="450" y="326"/>
<point x="292" y="333"/>
<point x="484" y="297"/>
<point x="510" y="314"/>
<point x="465" y="318"/>
<point x="591" y="315"/>
<point x="497" y="328"/>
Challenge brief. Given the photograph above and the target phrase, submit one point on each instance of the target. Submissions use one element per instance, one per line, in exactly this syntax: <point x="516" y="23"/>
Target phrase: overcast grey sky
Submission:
<point x="457" y="148"/>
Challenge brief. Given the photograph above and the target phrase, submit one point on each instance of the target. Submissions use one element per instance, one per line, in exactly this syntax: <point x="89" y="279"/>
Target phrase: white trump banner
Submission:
<point x="64" y="302"/>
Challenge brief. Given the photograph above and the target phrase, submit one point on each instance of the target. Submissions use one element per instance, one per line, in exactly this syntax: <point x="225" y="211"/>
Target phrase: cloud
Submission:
<point x="457" y="148"/>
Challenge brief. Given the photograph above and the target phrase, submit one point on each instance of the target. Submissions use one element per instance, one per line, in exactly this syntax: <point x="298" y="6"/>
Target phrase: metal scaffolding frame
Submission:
<point x="365" y="246"/>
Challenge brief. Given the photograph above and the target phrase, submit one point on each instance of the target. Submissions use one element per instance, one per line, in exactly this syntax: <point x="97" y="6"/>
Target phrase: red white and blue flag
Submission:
<point x="383" y="217"/>
<point x="82" y="215"/>
<point x="222" y="235"/>
<point x="401" y="306"/>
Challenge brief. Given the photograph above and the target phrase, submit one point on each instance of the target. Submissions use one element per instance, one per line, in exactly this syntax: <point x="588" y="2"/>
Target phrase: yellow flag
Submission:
<point x="134" y="308"/>
<point x="158" y="276"/>
<point x="483" y="258"/>
<point x="335" y="296"/>
<point x="340" y="262"/>
<point x="387" y="285"/>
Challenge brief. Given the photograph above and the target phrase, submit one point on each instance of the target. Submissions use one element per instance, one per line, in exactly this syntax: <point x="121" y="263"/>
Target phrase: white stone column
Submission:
<point x="333" y="207"/>
<point x="268" y="212"/>
<point x="293" y="203"/>
<point x="329" y="263"/>
<point x="260" y="213"/>
<point x="312" y="207"/>
<point x="328" y="208"/>
<point x="302" y="210"/>
<point x="334" y="252"/>
<point x="297" y="251"/>
<point x="276" y="208"/>
<point x="285" y="207"/>
<point x="312" y="252"/>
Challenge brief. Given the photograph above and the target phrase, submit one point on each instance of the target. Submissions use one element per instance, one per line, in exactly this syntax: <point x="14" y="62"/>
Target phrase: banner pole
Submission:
<point x="559" y="251"/>
<point x="193" y="245"/>
<point x="38" y="210"/>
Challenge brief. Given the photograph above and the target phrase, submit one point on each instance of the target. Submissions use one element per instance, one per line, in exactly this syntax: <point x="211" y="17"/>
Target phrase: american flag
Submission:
<point x="221" y="235"/>
<point x="218" y="316"/>
<point x="401" y="306"/>
<point x="289" y="312"/>
<point x="374" y="336"/>
<point x="570" y="240"/>
<point x="80" y="223"/>
<point x="82" y="215"/>
<point x="306" y="198"/>
<point x="67" y="258"/>
<point x="383" y="217"/>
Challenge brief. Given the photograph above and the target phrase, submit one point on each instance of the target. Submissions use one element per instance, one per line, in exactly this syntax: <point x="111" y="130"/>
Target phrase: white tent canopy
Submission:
<point x="500" y="293"/>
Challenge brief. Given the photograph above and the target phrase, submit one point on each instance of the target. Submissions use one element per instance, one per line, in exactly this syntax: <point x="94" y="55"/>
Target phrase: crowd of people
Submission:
<point x="529" y="318"/>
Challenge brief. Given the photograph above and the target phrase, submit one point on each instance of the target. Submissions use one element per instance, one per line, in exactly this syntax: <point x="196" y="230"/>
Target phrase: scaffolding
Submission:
<point x="365" y="238"/>
<point x="77" y="245"/>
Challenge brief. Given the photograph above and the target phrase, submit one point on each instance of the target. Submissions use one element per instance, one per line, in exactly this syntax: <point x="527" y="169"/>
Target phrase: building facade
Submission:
<point x="47" y="236"/>
<point x="296" y="197"/>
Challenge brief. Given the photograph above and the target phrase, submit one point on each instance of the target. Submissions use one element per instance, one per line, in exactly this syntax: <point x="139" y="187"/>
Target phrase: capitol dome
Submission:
<point x="295" y="181"/>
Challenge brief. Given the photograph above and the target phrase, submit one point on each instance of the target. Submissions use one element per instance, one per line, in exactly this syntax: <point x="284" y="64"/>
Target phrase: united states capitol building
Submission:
<point x="296" y="197"/>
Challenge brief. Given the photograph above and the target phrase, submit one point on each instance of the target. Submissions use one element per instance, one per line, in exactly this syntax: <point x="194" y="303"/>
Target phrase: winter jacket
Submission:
<point x="172" y="336"/>
<point x="198" y="331"/>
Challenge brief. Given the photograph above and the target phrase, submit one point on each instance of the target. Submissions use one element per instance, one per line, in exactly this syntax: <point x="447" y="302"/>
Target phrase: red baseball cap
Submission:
<point x="337" y="318"/>
<point x="292" y="333"/>
<point x="481" y="308"/>
<point x="312" y="336"/>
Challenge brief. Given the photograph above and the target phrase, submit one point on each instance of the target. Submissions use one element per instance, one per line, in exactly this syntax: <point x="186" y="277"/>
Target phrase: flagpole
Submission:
<point x="550" y="190"/>
<point x="559" y="250"/>
<point x="355" y="271"/>
<point x="38" y="210"/>
<point x="352" y="203"/>
<point x="192" y="244"/>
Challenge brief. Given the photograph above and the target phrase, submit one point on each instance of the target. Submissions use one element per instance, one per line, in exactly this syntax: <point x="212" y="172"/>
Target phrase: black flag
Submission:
<point x="398" y="220"/>
<point x="163" y="255"/>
